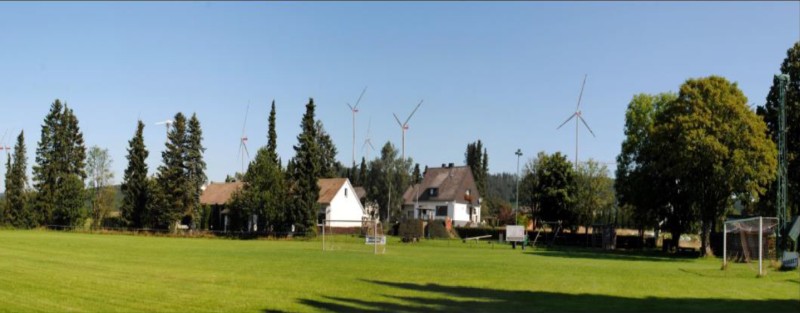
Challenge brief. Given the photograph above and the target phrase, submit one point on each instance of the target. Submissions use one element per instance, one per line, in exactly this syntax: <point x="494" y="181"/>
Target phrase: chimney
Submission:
<point x="450" y="165"/>
<point x="444" y="165"/>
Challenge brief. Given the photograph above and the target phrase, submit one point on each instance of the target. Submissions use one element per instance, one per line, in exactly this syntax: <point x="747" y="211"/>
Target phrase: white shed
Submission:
<point x="339" y="203"/>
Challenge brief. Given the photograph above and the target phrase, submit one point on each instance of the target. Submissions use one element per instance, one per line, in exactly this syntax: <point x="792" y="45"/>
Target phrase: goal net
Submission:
<point x="353" y="235"/>
<point x="749" y="240"/>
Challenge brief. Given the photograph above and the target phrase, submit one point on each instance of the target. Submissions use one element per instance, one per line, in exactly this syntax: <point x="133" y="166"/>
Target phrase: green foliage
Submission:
<point x="98" y="167"/>
<point x="60" y="170"/>
<point x="389" y="177"/>
<point x="17" y="208"/>
<point x="135" y="184"/>
<point x="410" y="229"/>
<point x="195" y="167"/>
<point x="548" y="188"/>
<point x="635" y="190"/>
<point x="769" y="111"/>
<point x="329" y="166"/>
<point x="304" y="170"/>
<point x="477" y="159"/>
<point x="172" y="179"/>
<point x="594" y="200"/>
<point x="437" y="230"/>
<point x="264" y="188"/>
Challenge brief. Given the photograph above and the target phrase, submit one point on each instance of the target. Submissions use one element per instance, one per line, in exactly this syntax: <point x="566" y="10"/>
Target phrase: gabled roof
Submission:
<point x="219" y="193"/>
<point x="328" y="187"/>
<point x="451" y="184"/>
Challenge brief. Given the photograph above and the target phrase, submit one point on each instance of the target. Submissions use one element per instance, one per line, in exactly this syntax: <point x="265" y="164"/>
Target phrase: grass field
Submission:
<point x="55" y="271"/>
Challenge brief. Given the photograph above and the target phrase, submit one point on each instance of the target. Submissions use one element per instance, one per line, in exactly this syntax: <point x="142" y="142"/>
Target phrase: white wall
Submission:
<point x="345" y="208"/>
<point x="458" y="212"/>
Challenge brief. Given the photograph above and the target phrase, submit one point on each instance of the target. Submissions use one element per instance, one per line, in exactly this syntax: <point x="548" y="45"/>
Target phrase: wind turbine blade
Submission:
<point x="397" y="119"/>
<point x="412" y="112"/>
<point x="568" y="119"/>
<point x="587" y="125"/>
<point x="359" y="97"/>
<point x="246" y="153"/>
<point x="245" y="118"/>
<point x="371" y="146"/>
<point x="581" y="95"/>
<point x="351" y="107"/>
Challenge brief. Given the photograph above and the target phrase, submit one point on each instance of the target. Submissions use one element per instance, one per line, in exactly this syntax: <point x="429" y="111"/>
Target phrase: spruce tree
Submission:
<point x="329" y="166"/>
<point x="45" y="172"/>
<point x="16" y="198"/>
<point x="195" y="166"/>
<point x="135" y="191"/>
<point x="172" y="181"/>
<point x="306" y="169"/>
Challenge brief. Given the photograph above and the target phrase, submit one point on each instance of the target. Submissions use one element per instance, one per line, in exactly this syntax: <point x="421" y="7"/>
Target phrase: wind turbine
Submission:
<point x="368" y="141"/>
<point x="168" y="123"/>
<point x="354" y="109"/>
<point x="579" y="117"/>
<point x="243" y="140"/>
<point x="404" y="126"/>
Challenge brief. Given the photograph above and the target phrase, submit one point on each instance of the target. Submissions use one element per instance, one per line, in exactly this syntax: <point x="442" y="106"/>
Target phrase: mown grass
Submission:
<point x="65" y="272"/>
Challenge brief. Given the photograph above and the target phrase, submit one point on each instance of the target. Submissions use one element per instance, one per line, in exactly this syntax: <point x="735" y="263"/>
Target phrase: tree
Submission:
<point x="16" y="197"/>
<point x="709" y="147"/>
<point x="264" y="187"/>
<point x="195" y="166"/>
<point x="416" y="176"/>
<point x="135" y="191"/>
<point x="548" y="187"/>
<point x="635" y="177"/>
<point x="594" y="200"/>
<point x="477" y="159"/>
<point x="172" y="178"/>
<point x="98" y="167"/>
<point x="389" y="177"/>
<point x="305" y="168"/>
<point x="60" y="170"/>
<point x="769" y="111"/>
<point x="329" y="166"/>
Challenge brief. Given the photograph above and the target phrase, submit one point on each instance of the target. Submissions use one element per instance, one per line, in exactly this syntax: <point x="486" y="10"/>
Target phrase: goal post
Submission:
<point x="353" y="235"/>
<point x="749" y="240"/>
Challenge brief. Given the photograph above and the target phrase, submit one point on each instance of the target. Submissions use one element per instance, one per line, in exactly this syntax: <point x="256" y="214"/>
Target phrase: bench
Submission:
<point x="476" y="238"/>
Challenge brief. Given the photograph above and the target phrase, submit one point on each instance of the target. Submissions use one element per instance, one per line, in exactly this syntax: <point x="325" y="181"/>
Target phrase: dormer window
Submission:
<point x="433" y="192"/>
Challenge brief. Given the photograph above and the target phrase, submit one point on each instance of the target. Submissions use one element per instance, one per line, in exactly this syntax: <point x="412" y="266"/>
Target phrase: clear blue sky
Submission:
<point x="505" y="73"/>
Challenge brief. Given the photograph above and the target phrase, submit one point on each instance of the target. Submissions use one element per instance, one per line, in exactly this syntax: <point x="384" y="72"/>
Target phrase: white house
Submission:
<point x="445" y="192"/>
<point x="339" y="203"/>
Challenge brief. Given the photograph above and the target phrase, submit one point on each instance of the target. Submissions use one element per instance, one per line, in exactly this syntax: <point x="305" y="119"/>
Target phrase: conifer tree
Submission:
<point x="172" y="181"/>
<point x="195" y="166"/>
<point x="306" y="169"/>
<point x="16" y="198"/>
<point x="135" y="192"/>
<point x="45" y="170"/>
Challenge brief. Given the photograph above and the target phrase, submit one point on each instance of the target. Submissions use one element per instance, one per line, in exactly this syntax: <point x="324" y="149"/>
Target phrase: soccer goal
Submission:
<point x="353" y="235"/>
<point x="749" y="240"/>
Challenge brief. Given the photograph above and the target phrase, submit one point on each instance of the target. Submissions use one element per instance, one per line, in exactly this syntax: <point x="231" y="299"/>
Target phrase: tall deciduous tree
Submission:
<point x="195" y="166"/>
<point x="98" y="167"/>
<point x="710" y="147"/>
<point x="769" y="111"/>
<point x="594" y="200"/>
<point x="635" y="177"/>
<point x="389" y="177"/>
<point x="17" y="207"/>
<point x="548" y="187"/>
<point x="60" y="170"/>
<point x="135" y="191"/>
<point x="172" y="179"/>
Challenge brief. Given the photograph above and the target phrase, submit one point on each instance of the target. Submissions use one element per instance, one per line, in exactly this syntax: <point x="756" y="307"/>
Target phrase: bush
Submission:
<point x="466" y="232"/>
<point x="436" y="229"/>
<point x="410" y="230"/>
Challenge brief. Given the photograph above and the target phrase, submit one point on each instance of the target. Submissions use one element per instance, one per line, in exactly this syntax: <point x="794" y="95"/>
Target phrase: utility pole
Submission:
<point x="519" y="154"/>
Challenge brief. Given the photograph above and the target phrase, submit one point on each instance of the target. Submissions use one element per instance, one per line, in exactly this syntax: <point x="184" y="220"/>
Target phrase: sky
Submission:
<point x="507" y="73"/>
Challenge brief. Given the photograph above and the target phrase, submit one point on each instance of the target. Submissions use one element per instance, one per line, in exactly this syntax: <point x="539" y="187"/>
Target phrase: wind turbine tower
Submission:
<point x="354" y="109"/>
<point x="577" y="116"/>
<point x="404" y="126"/>
<point x="243" y="140"/>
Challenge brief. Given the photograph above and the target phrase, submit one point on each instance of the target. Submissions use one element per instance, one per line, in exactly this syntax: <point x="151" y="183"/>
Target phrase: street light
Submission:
<point x="519" y="154"/>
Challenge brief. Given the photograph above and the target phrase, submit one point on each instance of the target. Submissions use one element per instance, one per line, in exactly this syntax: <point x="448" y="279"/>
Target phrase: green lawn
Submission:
<point x="55" y="271"/>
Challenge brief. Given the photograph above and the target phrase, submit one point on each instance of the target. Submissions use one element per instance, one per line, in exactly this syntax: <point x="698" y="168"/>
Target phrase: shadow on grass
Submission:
<point x="580" y="253"/>
<point x="441" y="298"/>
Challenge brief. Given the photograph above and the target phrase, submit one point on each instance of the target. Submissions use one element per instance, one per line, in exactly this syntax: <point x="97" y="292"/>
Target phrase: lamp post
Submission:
<point x="519" y="154"/>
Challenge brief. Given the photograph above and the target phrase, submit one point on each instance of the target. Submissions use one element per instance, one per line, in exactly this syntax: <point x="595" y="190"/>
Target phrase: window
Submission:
<point x="345" y="192"/>
<point x="441" y="210"/>
<point x="433" y="192"/>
